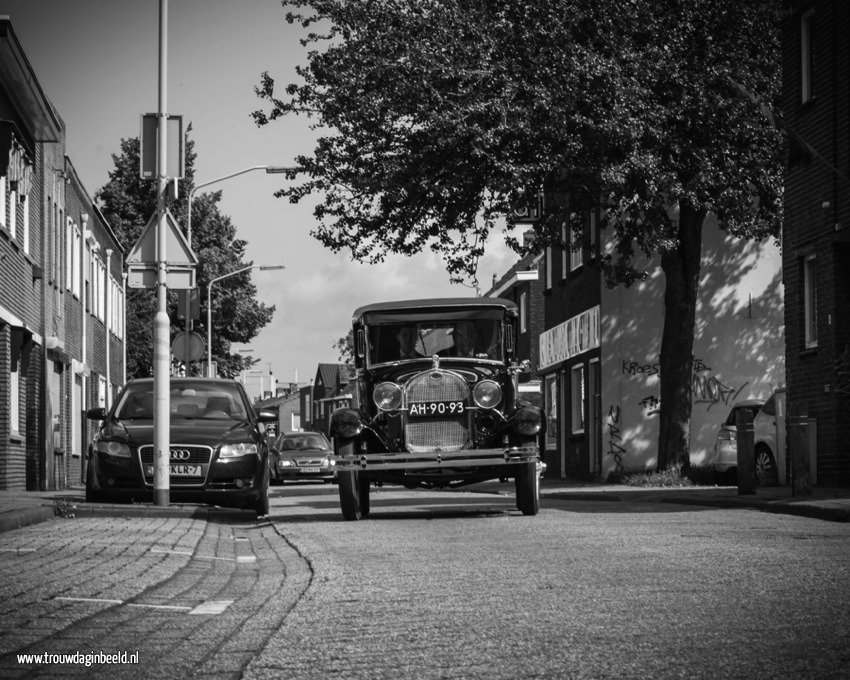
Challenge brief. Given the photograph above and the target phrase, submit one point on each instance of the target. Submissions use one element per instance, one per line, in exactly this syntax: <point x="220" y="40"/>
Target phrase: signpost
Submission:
<point x="148" y="263"/>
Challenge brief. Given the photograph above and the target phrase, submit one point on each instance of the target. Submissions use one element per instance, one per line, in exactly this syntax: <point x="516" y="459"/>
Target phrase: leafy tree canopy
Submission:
<point x="440" y="115"/>
<point x="127" y="203"/>
<point x="437" y="117"/>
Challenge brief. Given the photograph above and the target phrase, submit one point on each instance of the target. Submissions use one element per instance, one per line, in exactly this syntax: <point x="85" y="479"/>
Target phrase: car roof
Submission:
<point x="424" y="303"/>
<point x="749" y="402"/>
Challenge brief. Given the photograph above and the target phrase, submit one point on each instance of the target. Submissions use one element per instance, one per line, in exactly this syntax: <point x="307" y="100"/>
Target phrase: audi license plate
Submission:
<point x="186" y="470"/>
<point x="436" y="408"/>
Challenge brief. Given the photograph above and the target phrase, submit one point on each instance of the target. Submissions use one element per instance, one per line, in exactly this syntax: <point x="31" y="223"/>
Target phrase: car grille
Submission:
<point x="197" y="455"/>
<point x="310" y="462"/>
<point x="439" y="433"/>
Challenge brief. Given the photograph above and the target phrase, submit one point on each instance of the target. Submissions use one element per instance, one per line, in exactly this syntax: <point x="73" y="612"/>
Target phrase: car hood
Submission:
<point x="208" y="432"/>
<point x="304" y="453"/>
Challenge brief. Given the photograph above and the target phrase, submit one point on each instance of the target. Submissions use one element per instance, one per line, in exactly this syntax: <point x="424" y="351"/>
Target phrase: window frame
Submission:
<point x="578" y="389"/>
<point x="576" y="254"/>
<point x="810" y="302"/>
<point x="806" y="57"/>
<point x="523" y="312"/>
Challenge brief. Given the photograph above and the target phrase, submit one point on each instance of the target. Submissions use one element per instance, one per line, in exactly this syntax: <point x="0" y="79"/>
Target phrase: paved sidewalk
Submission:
<point x="22" y="508"/>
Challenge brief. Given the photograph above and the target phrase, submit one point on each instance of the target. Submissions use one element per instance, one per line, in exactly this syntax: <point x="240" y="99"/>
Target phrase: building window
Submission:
<point x="3" y="185"/>
<point x="577" y="390"/>
<point x="548" y="267"/>
<point x="523" y="312"/>
<point x="565" y="247"/>
<point x="16" y="368"/>
<point x="593" y="239"/>
<point x="550" y="397"/>
<point x="25" y="207"/>
<point x="806" y="56"/>
<point x="810" y="300"/>
<point x="13" y="213"/>
<point x="576" y="250"/>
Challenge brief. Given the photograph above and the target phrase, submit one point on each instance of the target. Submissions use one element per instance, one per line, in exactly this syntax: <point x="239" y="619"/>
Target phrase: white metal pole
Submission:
<point x="162" y="324"/>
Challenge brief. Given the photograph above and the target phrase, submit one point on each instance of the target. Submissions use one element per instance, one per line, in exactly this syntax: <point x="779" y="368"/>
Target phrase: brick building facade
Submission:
<point x="54" y="359"/>
<point x="816" y="236"/>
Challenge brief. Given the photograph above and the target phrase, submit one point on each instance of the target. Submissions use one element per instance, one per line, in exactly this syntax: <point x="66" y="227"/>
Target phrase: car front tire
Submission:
<point x="528" y="489"/>
<point x="262" y="504"/>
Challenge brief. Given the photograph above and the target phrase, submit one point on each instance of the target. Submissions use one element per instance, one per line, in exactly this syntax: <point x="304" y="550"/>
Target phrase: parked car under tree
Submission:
<point x="763" y="416"/>
<point x="437" y="395"/>
<point x="217" y="453"/>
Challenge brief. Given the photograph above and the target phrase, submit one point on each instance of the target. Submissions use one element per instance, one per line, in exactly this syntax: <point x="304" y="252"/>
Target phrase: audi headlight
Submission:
<point x="117" y="449"/>
<point x="238" y="450"/>
<point x="487" y="394"/>
<point x="387" y="396"/>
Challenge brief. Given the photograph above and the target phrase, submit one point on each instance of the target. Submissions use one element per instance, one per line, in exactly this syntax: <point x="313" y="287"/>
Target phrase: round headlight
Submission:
<point x="487" y="394"/>
<point x="387" y="396"/>
<point x="527" y="421"/>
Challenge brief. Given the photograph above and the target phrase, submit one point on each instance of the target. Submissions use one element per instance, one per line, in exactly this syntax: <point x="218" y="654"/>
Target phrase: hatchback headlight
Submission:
<point x="237" y="450"/>
<point x="112" y="448"/>
<point x="285" y="462"/>
<point x="387" y="396"/>
<point x="487" y="394"/>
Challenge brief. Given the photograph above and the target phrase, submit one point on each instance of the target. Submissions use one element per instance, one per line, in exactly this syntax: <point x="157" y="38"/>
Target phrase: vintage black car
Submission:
<point x="217" y="453"/>
<point x="437" y="394"/>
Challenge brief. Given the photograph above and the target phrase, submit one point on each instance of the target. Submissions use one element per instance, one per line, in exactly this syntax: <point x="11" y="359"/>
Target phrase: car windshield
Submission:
<point x="188" y="401"/>
<point x="468" y="336"/>
<point x="312" y="442"/>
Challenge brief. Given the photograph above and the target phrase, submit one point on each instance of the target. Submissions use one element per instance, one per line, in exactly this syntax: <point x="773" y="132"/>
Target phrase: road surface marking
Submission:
<point x="171" y="552"/>
<point x="212" y="607"/>
<point x="246" y="558"/>
<point x="160" y="606"/>
<point x="90" y="599"/>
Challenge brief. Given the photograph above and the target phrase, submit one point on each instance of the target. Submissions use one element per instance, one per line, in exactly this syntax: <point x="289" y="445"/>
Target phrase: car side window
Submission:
<point x="769" y="408"/>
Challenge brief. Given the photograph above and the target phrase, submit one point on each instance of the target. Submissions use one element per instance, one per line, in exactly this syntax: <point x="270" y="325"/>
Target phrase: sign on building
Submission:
<point x="574" y="336"/>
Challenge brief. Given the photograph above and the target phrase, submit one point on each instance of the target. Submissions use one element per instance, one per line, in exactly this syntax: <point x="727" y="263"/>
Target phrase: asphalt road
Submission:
<point x="433" y="585"/>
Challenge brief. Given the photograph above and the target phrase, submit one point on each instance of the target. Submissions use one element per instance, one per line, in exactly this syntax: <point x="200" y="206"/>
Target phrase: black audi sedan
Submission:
<point x="218" y="454"/>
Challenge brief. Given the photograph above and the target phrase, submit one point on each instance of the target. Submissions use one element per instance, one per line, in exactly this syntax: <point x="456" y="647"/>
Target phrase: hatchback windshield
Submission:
<point x="312" y="442"/>
<point x="462" y="338"/>
<point x="197" y="400"/>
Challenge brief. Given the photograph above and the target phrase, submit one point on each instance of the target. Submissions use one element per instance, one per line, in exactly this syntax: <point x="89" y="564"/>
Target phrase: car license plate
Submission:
<point x="186" y="470"/>
<point x="309" y="469"/>
<point x="436" y="408"/>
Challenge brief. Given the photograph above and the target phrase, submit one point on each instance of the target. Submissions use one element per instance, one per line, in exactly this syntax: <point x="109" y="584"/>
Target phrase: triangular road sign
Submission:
<point x="178" y="251"/>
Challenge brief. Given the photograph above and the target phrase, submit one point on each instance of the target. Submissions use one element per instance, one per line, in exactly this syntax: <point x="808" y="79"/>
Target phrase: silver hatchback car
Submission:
<point x="725" y="458"/>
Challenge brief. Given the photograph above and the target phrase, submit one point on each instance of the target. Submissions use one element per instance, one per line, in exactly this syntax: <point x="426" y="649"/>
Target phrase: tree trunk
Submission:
<point x="681" y="267"/>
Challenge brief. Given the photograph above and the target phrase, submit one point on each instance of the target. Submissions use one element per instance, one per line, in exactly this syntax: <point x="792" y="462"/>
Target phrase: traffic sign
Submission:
<point x="188" y="347"/>
<point x="149" y="144"/>
<point x="178" y="250"/>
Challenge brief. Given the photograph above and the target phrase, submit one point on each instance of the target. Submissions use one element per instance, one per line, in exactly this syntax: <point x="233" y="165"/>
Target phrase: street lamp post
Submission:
<point x="261" y="267"/>
<point x="270" y="170"/>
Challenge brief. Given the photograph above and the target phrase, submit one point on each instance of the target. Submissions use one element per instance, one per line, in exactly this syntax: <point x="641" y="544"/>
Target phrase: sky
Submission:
<point x="97" y="61"/>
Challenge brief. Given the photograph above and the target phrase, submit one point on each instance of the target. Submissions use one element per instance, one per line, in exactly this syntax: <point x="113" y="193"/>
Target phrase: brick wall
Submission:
<point x="817" y="222"/>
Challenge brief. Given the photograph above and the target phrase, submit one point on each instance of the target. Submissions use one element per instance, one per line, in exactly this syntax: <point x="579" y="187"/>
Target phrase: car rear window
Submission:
<point x="731" y="419"/>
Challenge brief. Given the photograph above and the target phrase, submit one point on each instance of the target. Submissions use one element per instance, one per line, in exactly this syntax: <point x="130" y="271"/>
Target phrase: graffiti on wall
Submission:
<point x="615" y="449"/>
<point x="706" y="388"/>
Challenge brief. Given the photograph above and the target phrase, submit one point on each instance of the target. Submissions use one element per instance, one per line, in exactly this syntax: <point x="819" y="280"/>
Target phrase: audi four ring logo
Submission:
<point x="180" y="454"/>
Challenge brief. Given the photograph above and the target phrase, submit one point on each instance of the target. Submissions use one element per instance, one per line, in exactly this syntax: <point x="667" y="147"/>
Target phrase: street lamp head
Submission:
<point x="280" y="169"/>
<point x="270" y="267"/>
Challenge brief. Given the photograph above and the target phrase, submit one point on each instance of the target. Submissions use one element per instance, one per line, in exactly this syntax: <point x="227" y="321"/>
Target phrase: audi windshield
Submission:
<point x="189" y="401"/>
